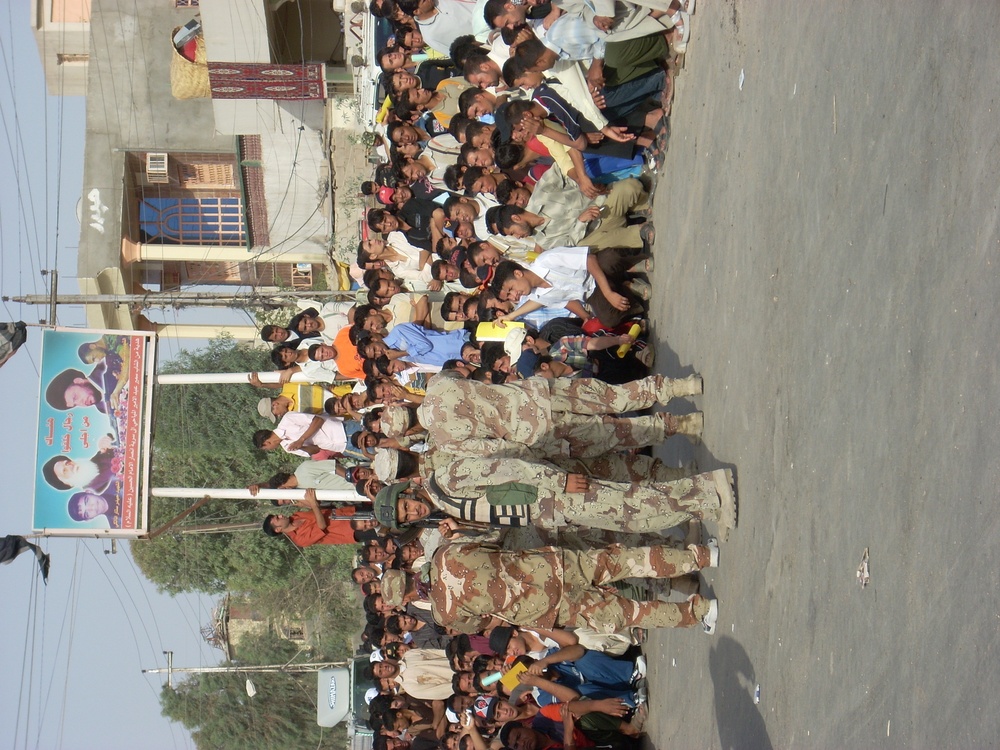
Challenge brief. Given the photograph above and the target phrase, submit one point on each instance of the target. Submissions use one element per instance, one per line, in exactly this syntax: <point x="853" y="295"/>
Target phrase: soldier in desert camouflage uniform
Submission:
<point x="559" y="497"/>
<point x="540" y="488"/>
<point x="550" y="416"/>
<point x="474" y="587"/>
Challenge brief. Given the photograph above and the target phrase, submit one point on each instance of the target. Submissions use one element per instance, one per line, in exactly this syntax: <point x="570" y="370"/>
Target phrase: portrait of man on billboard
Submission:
<point x="93" y="475"/>
<point x="85" y="507"/>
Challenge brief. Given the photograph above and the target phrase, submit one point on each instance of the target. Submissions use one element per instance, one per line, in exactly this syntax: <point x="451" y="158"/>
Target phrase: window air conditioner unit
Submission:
<point x="156" y="168"/>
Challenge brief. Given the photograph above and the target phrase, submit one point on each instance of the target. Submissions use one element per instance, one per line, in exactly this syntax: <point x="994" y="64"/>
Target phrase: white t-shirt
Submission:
<point x="331" y="436"/>
<point x="453" y="19"/>
<point x="565" y="268"/>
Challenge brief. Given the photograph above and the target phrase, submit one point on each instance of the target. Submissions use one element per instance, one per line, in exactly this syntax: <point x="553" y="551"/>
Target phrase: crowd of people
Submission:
<point x="494" y="375"/>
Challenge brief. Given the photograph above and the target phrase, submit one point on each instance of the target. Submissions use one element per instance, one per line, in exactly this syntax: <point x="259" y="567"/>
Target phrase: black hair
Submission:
<point x="363" y="311"/>
<point x="503" y="273"/>
<point x="463" y="154"/>
<point x="476" y="128"/>
<point x="472" y="316"/>
<point x="456" y="679"/>
<point x="382" y="53"/>
<point x="453" y="177"/>
<point x="369" y="278"/>
<point x="375" y="217"/>
<point x="370" y="370"/>
<point x="471" y="175"/>
<point x="529" y="52"/>
<point x="404" y="112"/>
<point x="370" y="418"/>
<point x="507" y="154"/>
<point x="259" y="437"/>
<point x="459" y="126"/>
<point x="490" y="352"/>
<point x="462" y="48"/>
<point x="369" y="603"/>
<point x="517" y="109"/>
<point x="267" y="526"/>
<point x="510" y="34"/>
<point x="473" y="63"/>
<point x="448" y="302"/>
<point x="467" y="99"/>
<point x="513" y="68"/>
<point x="392" y="625"/>
<point x="277" y="480"/>
<point x="356" y="334"/>
<point x="505" y="217"/>
<point x="493" y="9"/>
<point x="440" y="250"/>
<point x="505" y="190"/>
<point x="387" y="9"/>
<point x="267" y="331"/>
<point x="437" y="267"/>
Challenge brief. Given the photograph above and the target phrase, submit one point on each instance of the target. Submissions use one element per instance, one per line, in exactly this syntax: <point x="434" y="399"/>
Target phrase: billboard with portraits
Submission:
<point x="92" y="465"/>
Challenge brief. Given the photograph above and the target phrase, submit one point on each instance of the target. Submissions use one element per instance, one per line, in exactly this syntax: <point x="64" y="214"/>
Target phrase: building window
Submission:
<point x="192" y="221"/>
<point x="63" y="58"/>
<point x="293" y="633"/>
<point x="209" y="175"/>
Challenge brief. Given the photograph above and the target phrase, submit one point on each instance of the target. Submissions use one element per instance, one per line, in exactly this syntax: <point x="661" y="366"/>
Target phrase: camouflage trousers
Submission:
<point x="589" y="601"/>
<point x="589" y="396"/>
<point x="621" y="467"/>
<point x="583" y="414"/>
<point x="646" y="505"/>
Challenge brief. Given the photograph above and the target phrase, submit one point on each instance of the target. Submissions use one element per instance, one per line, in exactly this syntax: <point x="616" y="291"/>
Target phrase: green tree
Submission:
<point x="220" y="714"/>
<point x="202" y="438"/>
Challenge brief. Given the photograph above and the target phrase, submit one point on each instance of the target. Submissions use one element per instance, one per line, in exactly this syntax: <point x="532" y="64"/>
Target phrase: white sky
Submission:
<point x="78" y="644"/>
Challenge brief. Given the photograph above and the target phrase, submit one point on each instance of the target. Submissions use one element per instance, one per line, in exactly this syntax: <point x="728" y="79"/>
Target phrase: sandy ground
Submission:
<point x="828" y="249"/>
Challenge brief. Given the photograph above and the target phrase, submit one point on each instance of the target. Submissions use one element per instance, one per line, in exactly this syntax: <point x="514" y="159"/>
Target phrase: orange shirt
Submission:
<point x="309" y="533"/>
<point x="348" y="360"/>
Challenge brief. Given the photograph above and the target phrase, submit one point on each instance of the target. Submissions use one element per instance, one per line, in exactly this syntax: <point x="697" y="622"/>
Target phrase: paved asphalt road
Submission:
<point x="827" y="251"/>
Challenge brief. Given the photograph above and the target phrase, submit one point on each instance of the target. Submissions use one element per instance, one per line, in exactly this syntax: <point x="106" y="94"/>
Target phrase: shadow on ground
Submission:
<point x="738" y="718"/>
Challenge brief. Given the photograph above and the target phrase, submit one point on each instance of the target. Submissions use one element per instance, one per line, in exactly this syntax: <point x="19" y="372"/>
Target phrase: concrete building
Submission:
<point x="219" y="190"/>
<point x="62" y="32"/>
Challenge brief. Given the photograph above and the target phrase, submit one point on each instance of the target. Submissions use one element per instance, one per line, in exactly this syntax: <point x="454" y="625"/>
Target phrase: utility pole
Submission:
<point x="261" y="668"/>
<point x="174" y="299"/>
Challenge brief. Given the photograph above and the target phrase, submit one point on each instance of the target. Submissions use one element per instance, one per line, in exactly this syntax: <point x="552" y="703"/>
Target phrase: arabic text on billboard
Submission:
<point x="89" y="429"/>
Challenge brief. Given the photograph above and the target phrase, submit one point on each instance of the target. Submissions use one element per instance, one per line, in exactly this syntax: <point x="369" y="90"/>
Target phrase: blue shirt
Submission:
<point x="424" y="346"/>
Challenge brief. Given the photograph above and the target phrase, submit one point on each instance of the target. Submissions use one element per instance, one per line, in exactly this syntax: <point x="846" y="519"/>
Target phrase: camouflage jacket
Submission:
<point x="469" y="477"/>
<point x="472" y="583"/>
<point x="486" y="419"/>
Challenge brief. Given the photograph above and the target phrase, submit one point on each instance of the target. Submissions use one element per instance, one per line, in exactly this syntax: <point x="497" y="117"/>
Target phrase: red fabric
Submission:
<point x="537" y="146"/>
<point x="595" y="327"/>
<point x="535" y="172"/>
<point x="243" y="80"/>
<point x="308" y="533"/>
<point x="553" y="711"/>
<point x="190" y="50"/>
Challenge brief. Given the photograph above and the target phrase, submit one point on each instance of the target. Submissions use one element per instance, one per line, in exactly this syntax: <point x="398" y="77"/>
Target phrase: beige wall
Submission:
<point x="70" y="11"/>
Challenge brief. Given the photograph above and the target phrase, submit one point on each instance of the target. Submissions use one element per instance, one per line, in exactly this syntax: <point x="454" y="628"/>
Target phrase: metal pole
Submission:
<point x="310" y="667"/>
<point x="169" y="299"/>
<point x="241" y="493"/>
<point x="193" y="378"/>
<point x="53" y="297"/>
<point x="180" y="516"/>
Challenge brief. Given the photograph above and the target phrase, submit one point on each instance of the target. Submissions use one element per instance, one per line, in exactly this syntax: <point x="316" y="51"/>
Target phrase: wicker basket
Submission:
<point x="189" y="80"/>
